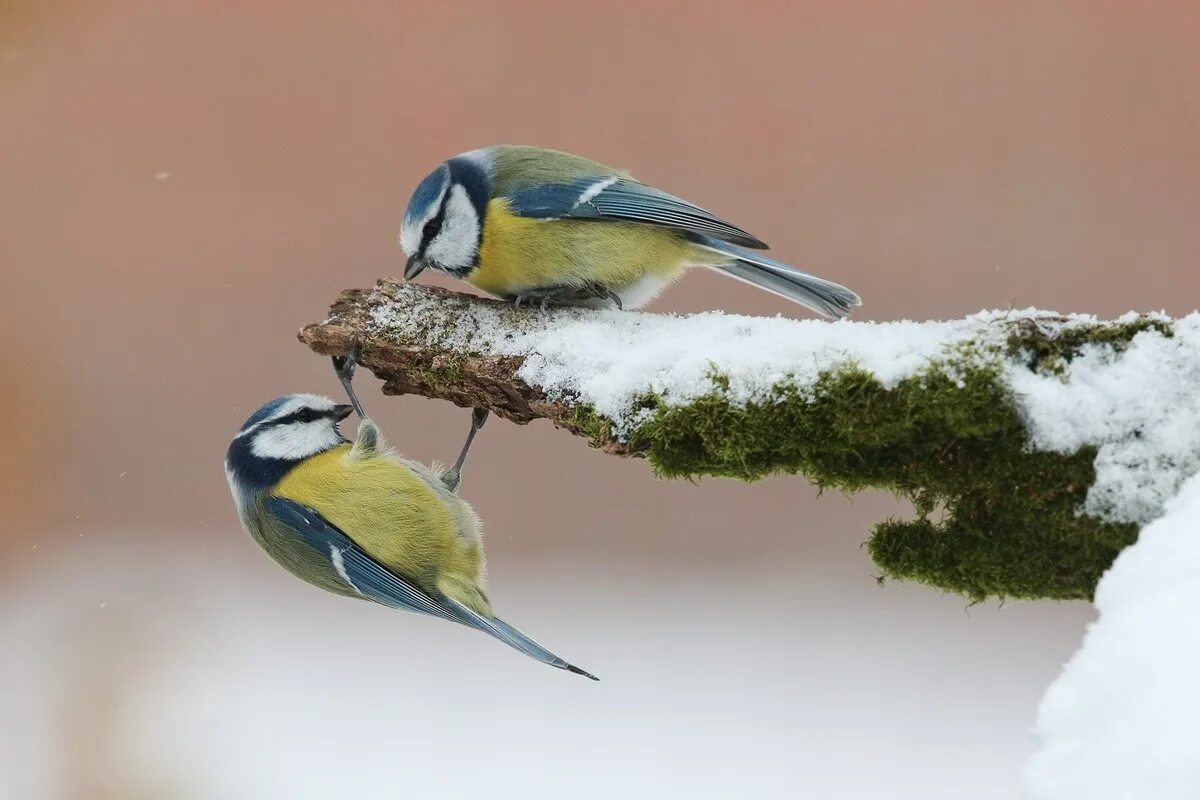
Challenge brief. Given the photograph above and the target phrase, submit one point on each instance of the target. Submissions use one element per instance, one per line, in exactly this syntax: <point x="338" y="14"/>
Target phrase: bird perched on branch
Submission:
<point x="357" y="520"/>
<point x="543" y="226"/>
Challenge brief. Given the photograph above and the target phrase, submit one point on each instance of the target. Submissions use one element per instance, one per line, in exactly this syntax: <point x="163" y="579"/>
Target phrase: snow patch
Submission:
<point x="1120" y="721"/>
<point x="1139" y="407"/>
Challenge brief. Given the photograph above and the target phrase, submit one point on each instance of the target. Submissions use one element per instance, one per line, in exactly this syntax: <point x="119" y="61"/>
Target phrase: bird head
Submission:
<point x="281" y="434"/>
<point x="443" y="225"/>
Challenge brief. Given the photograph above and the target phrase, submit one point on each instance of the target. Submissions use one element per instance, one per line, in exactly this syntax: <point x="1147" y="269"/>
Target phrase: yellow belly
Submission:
<point x="519" y="254"/>
<point x="394" y="516"/>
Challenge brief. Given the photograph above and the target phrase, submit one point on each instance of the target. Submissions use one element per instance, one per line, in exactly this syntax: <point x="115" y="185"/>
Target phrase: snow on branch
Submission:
<point x="1032" y="445"/>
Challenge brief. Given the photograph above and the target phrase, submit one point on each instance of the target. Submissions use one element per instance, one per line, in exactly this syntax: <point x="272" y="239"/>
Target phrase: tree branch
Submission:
<point x="417" y="366"/>
<point x="951" y="415"/>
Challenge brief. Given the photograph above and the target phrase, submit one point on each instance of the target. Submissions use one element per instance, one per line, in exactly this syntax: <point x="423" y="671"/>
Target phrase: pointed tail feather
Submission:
<point x="514" y="638"/>
<point x="824" y="297"/>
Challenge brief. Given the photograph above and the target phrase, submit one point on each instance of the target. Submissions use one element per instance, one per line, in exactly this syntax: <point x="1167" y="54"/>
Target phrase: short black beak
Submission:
<point x="340" y="412"/>
<point x="414" y="267"/>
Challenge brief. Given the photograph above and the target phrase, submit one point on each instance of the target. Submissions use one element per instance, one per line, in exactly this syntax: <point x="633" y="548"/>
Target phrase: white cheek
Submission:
<point x="298" y="440"/>
<point x="455" y="246"/>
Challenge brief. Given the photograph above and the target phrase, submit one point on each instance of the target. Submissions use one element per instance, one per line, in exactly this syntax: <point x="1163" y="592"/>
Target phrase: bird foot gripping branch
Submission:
<point x="470" y="380"/>
<point x="957" y="416"/>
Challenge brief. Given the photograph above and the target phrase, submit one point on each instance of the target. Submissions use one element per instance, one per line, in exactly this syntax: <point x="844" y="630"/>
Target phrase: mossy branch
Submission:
<point x="993" y="517"/>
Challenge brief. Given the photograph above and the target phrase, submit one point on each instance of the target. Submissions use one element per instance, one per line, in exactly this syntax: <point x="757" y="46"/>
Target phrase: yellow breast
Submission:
<point x="388" y="511"/>
<point x="520" y="253"/>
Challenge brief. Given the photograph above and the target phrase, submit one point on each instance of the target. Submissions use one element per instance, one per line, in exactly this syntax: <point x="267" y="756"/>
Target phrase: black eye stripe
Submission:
<point x="434" y="226"/>
<point x="303" y="415"/>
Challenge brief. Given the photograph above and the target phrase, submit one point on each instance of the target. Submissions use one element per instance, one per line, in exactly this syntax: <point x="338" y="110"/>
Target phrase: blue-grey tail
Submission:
<point x="824" y="297"/>
<point x="515" y="639"/>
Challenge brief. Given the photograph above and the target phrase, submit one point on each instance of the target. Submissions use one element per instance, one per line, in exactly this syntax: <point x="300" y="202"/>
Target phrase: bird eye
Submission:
<point x="433" y="227"/>
<point x="307" y="415"/>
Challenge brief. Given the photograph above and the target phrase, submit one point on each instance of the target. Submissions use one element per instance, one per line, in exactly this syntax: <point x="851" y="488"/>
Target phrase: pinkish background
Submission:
<point x="183" y="185"/>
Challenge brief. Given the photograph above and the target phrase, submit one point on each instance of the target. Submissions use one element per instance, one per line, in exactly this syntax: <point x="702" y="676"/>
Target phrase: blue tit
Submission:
<point x="529" y="224"/>
<point x="357" y="520"/>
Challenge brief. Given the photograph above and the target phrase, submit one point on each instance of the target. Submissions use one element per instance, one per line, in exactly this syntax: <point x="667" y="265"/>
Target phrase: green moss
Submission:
<point x="1051" y="352"/>
<point x="446" y="371"/>
<point x="992" y="518"/>
<point x="442" y="376"/>
<point x="587" y="423"/>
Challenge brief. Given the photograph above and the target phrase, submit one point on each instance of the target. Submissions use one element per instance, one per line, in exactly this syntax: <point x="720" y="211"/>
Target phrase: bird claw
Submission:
<point x="543" y="297"/>
<point x="566" y="295"/>
<point x="344" y="366"/>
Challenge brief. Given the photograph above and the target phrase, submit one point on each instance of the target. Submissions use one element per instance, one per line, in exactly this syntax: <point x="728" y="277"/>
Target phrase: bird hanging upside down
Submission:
<point x="358" y="520"/>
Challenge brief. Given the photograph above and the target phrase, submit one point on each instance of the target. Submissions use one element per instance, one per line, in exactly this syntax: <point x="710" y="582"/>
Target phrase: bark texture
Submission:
<point x="465" y="379"/>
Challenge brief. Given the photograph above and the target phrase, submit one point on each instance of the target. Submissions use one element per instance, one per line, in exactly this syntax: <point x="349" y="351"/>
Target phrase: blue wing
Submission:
<point x="616" y="198"/>
<point x="364" y="574"/>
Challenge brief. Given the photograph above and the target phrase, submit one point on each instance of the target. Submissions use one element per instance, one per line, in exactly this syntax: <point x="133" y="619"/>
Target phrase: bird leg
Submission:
<point x="566" y="295"/>
<point x="453" y="476"/>
<point x="367" y="439"/>
<point x="545" y="296"/>
<point x="343" y="367"/>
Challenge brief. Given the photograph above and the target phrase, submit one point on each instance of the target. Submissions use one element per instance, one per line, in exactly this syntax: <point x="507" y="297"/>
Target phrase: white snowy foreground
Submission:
<point x="1122" y="720"/>
<point x="153" y="668"/>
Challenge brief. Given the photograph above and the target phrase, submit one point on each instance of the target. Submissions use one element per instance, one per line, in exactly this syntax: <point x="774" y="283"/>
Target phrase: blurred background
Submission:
<point x="183" y="185"/>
